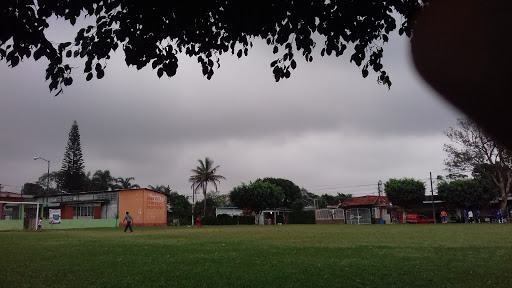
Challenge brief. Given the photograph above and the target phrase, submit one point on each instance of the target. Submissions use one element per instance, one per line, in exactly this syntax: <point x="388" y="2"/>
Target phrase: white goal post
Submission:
<point x="19" y="215"/>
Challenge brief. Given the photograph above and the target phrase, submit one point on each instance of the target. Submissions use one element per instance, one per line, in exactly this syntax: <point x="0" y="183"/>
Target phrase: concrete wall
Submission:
<point x="147" y="208"/>
<point x="79" y="223"/>
<point x="109" y="211"/>
<point x="11" y="225"/>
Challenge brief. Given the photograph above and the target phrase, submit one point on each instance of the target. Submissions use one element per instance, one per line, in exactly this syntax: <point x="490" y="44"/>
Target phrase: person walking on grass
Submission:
<point x="128" y="220"/>
<point x="470" y="216"/>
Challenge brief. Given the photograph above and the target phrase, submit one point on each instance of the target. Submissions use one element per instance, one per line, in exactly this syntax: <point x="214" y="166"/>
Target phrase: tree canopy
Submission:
<point x="405" y="192"/>
<point x="467" y="193"/>
<point x="32" y="189"/>
<point x="72" y="171"/>
<point x="125" y="183"/>
<point x="257" y="196"/>
<point x="156" y="32"/>
<point x="474" y="150"/>
<point x="291" y="191"/>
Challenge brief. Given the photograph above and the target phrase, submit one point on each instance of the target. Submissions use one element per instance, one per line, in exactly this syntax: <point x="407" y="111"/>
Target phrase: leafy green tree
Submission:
<point x="55" y="180"/>
<point x="466" y="193"/>
<point x="298" y="205"/>
<point x="405" y="192"/>
<point x="257" y="196"/>
<point x="179" y="206"/>
<point x="472" y="149"/>
<point x="308" y="197"/>
<point x="332" y="200"/>
<point x="125" y="183"/>
<point x="325" y="199"/>
<point x="291" y="191"/>
<point x="161" y="188"/>
<point x="72" y="172"/>
<point x="204" y="174"/>
<point x="210" y="207"/>
<point x="33" y="189"/>
<point x="221" y="200"/>
<point x="155" y="33"/>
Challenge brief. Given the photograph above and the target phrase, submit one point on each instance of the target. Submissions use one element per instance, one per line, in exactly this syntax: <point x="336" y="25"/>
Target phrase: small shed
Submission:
<point x="273" y="216"/>
<point x="378" y="206"/>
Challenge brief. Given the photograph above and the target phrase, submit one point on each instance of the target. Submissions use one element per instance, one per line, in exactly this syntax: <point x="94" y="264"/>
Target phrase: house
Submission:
<point x="361" y="210"/>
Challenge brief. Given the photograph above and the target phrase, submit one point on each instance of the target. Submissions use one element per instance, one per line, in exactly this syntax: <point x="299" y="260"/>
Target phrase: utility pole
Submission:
<point x="379" y="187"/>
<point x="193" y="202"/>
<point x="432" y="192"/>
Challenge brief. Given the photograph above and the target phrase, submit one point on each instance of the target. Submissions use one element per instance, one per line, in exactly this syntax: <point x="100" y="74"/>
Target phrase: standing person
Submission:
<point x="492" y="215"/>
<point x="500" y="216"/>
<point x="443" y="216"/>
<point x="39" y="224"/>
<point x="465" y="216"/>
<point x="470" y="216"/>
<point x="128" y="220"/>
<point x="478" y="215"/>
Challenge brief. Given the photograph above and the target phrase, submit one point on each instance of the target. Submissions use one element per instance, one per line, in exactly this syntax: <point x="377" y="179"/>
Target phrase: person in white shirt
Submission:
<point x="470" y="216"/>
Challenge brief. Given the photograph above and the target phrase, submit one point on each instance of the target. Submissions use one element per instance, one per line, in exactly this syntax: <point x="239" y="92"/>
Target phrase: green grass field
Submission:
<point x="452" y="255"/>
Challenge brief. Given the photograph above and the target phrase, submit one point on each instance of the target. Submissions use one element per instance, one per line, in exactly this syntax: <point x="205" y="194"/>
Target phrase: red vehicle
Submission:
<point x="418" y="219"/>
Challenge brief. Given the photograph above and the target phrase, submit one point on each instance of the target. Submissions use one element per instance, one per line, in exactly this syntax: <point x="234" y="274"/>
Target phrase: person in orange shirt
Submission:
<point x="443" y="216"/>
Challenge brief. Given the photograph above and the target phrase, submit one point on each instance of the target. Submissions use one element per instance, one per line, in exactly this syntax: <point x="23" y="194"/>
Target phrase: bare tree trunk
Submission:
<point x="505" y="190"/>
<point x="204" y="194"/>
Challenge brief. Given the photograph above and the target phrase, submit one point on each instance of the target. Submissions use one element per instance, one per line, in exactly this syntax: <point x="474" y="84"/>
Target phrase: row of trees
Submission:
<point x="472" y="151"/>
<point x="101" y="180"/>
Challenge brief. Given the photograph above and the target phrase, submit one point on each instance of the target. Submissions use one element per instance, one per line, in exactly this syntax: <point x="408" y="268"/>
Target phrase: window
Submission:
<point x="83" y="211"/>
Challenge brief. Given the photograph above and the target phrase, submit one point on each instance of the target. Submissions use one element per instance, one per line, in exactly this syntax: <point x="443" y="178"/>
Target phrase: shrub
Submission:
<point x="225" y="219"/>
<point x="244" y="220"/>
<point x="302" y="217"/>
<point x="208" y="220"/>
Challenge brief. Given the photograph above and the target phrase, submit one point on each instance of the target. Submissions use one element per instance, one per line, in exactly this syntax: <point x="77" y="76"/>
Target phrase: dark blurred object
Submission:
<point x="460" y="48"/>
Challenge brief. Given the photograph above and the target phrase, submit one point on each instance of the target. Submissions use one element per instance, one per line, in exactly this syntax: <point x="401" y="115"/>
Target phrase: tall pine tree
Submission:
<point x="72" y="171"/>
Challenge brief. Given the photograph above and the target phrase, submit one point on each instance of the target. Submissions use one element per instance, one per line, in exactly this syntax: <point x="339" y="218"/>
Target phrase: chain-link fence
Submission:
<point x="329" y="214"/>
<point x="359" y="216"/>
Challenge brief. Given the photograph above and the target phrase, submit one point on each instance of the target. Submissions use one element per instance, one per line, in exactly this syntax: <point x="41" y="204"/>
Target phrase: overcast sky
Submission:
<point x="325" y="128"/>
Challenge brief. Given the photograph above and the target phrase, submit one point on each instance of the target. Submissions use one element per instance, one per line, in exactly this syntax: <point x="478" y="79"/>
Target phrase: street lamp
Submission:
<point x="48" y="180"/>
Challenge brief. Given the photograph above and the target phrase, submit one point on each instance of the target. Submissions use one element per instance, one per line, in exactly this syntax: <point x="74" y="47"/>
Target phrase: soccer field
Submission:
<point x="452" y="255"/>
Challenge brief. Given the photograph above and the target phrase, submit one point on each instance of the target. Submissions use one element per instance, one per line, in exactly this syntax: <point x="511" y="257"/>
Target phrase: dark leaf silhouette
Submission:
<point x="160" y="30"/>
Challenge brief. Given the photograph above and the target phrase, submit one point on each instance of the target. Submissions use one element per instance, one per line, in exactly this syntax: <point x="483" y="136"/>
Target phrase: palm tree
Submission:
<point x="102" y="181"/>
<point x="203" y="174"/>
<point x="125" y="183"/>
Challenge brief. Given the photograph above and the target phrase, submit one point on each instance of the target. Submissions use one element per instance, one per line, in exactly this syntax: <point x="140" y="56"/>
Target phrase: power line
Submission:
<point x="342" y="187"/>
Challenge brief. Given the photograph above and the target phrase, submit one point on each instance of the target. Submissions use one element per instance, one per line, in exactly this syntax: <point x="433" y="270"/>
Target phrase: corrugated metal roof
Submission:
<point x="366" y="200"/>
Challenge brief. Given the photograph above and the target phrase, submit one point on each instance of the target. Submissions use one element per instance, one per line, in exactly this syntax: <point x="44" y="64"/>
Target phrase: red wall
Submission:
<point x="97" y="212"/>
<point x="67" y="212"/>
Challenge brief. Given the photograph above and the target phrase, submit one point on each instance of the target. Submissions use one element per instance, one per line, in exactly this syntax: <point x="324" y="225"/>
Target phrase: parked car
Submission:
<point x="418" y="218"/>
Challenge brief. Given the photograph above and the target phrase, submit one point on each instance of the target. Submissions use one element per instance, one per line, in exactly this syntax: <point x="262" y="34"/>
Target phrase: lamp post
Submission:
<point x="48" y="180"/>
